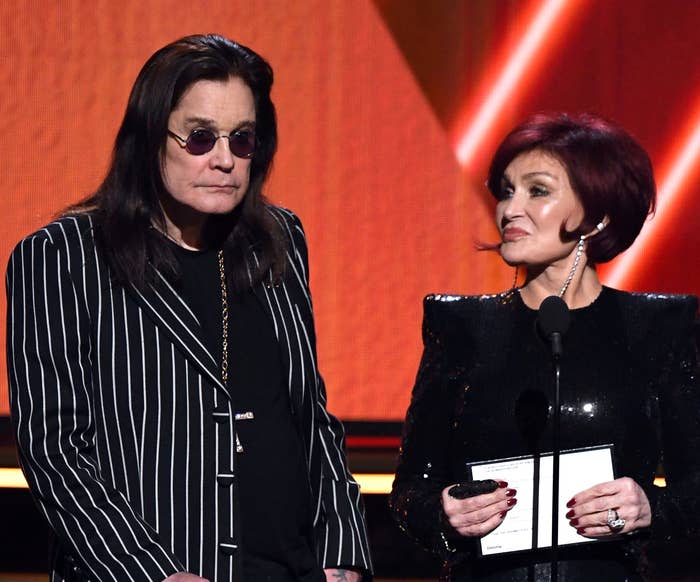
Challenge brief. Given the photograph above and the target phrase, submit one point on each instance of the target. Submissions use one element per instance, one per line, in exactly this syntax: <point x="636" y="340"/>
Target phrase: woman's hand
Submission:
<point x="588" y="511"/>
<point x="476" y="516"/>
<point x="184" y="577"/>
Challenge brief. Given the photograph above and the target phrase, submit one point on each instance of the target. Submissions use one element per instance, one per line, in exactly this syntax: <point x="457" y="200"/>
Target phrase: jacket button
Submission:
<point x="228" y="546"/>
<point x="225" y="479"/>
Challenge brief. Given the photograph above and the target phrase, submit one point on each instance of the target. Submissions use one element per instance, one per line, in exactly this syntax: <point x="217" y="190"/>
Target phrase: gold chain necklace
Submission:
<point x="224" y="339"/>
<point x="224" y="318"/>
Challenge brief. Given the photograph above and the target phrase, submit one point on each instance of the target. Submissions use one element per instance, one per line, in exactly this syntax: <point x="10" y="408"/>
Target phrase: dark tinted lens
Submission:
<point x="200" y="142"/>
<point x="242" y="143"/>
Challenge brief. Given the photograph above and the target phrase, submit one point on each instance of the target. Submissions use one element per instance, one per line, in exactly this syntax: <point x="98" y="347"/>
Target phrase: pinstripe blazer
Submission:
<point x="124" y="429"/>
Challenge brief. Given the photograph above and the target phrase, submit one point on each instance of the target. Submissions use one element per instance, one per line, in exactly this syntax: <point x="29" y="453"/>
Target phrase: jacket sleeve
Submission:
<point x="341" y="533"/>
<point x="675" y="525"/>
<point x="423" y="470"/>
<point x="49" y="357"/>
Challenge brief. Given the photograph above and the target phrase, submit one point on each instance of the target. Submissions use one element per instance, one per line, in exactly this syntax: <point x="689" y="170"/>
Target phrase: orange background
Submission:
<point x="371" y="98"/>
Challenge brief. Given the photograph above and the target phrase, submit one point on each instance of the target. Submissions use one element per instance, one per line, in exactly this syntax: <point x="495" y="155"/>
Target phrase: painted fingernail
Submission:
<point x="573" y="522"/>
<point x="581" y="531"/>
<point x="569" y="514"/>
<point x="571" y="502"/>
<point x="511" y="502"/>
<point x="502" y="514"/>
<point x="503" y="484"/>
<point x="510" y="492"/>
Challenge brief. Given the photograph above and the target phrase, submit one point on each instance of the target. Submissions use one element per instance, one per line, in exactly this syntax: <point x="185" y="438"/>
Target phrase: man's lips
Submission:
<point x="512" y="234"/>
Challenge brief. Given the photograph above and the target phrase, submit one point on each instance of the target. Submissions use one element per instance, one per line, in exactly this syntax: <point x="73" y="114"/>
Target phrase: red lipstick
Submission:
<point x="512" y="233"/>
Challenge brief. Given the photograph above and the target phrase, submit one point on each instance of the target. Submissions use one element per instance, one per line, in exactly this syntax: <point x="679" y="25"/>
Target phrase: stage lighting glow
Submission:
<point x="374" y="483"/>
<point x="517" y="64"/>
<point x="11" y="478"/>
<point x="370" y="483"/>
<point x="680" y="170"/>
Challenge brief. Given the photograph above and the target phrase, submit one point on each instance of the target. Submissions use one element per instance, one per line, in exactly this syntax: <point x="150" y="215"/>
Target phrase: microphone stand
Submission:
<point x="531" y="416"/>
<point x="556" y="446"/>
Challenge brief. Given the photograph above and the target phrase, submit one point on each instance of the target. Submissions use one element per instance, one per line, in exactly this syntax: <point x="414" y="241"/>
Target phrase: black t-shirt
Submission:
<point x="275" y="500"/>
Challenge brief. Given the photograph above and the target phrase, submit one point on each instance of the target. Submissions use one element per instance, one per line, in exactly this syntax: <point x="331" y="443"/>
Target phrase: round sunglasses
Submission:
<point x="200" y="141"/>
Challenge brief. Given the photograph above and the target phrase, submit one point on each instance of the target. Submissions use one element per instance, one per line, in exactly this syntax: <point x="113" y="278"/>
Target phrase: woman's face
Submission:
<point x="215" y="182"/>
<point x="536" y="204"/>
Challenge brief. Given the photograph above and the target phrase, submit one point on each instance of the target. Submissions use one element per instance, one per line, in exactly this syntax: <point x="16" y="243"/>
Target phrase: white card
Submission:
<point x="578" y="470"/>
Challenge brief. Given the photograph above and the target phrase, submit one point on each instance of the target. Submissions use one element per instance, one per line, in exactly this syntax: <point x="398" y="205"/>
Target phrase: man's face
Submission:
<point x="215" y="182"/>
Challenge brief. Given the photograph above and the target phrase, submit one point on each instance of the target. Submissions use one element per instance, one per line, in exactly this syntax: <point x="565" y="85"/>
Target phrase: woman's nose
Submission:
<point x="513" y="206"/>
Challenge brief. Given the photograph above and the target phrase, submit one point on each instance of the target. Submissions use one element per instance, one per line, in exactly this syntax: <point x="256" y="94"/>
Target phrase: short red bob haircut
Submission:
<point x="608" y="170"/>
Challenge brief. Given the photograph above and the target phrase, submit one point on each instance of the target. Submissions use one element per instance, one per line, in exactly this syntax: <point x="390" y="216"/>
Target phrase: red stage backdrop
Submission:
<point x="388" y="112"/>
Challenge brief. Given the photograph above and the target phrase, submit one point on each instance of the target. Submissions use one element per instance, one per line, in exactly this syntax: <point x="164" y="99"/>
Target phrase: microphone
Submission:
<point x="553" y="319"/>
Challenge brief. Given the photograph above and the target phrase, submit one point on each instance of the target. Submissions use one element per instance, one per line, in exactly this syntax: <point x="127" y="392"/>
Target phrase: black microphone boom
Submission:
<point x="553" y="320"/>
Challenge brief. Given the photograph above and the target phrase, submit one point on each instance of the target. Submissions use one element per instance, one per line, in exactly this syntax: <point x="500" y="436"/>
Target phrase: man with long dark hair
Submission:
<point x="169" y="413"/>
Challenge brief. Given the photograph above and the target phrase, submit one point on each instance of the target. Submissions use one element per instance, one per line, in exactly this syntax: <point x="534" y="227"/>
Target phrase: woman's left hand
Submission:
<point x="588" y="510"/>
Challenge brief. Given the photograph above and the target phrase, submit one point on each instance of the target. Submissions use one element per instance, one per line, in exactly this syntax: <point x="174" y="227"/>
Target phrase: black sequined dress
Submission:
<point x="628" y="377"/>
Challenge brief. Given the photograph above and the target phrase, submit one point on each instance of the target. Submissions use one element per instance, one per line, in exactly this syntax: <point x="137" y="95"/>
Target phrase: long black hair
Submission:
<point x="126" y="205"/>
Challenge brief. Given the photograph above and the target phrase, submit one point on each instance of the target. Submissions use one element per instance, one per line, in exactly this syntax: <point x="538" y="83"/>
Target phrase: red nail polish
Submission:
<point x="511" y="502"/>
<point x="581" y="531"/>
<point x="571" y="502"/>
<point x="502" y="514"/>
<point x="510" y="492"/>
<point x="503" y="484"/>
<point x="569" y="514"/>
<point x="573" y="522"/>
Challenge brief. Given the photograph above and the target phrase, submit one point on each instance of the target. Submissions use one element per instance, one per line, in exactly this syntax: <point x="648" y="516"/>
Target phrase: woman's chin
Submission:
<point x="511" y="259"/>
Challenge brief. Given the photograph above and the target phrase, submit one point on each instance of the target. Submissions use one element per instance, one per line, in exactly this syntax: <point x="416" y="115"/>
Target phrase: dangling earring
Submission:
<point x="579" y="252"/>
<point x="515" y="278"/>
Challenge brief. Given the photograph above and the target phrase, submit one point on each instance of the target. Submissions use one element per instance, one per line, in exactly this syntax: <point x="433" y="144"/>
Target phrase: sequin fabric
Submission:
<point x="484" y="388"/>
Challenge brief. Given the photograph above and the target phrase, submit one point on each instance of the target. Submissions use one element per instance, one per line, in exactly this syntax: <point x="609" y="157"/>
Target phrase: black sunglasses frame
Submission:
<point x="187" y="144"/>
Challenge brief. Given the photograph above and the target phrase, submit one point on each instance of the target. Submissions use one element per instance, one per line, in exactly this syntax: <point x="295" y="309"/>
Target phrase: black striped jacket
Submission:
<point x="124" y="429"/>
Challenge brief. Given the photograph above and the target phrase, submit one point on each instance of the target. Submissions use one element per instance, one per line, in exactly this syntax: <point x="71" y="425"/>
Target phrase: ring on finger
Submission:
<point x="615" y="522"/>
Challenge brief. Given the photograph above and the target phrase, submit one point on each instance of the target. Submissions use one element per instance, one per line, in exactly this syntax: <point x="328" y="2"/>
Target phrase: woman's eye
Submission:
<point x="538" y="191"/>
<point x="506" y="192"/>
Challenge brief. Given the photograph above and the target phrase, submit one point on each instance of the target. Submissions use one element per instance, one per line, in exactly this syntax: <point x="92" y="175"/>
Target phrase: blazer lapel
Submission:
<point x="175" y="318"/>
<point x="273" y="302"/>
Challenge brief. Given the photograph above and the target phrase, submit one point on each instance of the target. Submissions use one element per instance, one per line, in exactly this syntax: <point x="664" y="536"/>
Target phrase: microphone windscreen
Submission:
<point x="553" y="316"/>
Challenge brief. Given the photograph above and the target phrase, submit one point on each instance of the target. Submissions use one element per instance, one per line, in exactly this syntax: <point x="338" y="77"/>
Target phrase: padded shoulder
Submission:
<point x="442" y="311"/>
<point x="71" y="235"/>
<point x="658" y="314"/>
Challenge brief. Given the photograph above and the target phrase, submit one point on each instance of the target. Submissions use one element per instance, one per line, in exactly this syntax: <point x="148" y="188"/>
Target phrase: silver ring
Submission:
<point x="615" y="522"/>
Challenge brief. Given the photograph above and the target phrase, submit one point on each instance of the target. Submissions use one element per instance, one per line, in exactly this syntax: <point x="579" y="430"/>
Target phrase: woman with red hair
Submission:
<point x="571" y="192"/>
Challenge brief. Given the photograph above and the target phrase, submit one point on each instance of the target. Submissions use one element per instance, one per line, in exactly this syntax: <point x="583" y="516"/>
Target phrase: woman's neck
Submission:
<point x="583" y="289"/>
